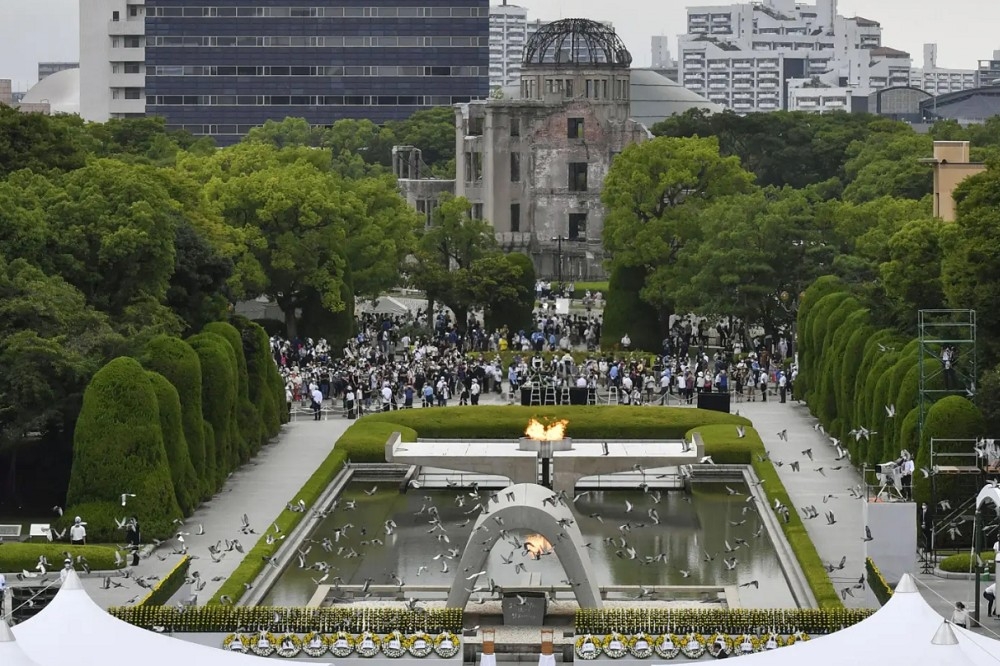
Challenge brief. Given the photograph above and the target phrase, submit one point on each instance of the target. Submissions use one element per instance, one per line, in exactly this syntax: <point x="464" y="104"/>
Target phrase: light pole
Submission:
<point x="559" y="241"/>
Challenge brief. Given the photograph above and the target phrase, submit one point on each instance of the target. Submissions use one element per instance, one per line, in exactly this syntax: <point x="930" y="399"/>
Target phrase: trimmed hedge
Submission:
<point x="253" y="563"/>
<point x="118" y="448"/>
<point x="179" y="363"/>
<point x="880" y="588"/>
<point x="962" y="562"/>
<point x="952" y="417"/>
<point x="185" y="479"/>
<point x="164" y="590"/>
<point x="722" y="443"/>
<point x="261" y="372"/>
<point x="365" y="440"/>
<point x="16" y="557"/>
<point x="218" y="398"/>
<point x="247" y="425"/>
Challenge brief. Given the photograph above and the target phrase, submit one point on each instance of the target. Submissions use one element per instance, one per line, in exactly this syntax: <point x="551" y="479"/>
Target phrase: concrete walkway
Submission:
<point x="261" y="489"/>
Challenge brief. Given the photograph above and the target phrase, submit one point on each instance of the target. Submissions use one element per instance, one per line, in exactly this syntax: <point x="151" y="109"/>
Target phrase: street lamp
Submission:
<point x="559" y="241"/>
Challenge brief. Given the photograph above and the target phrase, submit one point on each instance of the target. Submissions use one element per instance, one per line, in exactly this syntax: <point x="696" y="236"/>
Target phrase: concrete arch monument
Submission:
<point x="527" y="506"/>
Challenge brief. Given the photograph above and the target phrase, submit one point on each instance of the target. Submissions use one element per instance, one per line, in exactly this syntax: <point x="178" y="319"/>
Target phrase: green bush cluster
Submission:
<point x="726" y="447"/>
<point x="17" y="557"/>
<point x="167" y="587"/>
<point x="170" y="425"/>
<point x="962" y="562"/>
<point x="850" y="372"/>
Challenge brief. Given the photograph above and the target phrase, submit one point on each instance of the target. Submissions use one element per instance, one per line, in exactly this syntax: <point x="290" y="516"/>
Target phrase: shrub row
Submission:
<point x="725" y="447"/>
<point x="295" y="620"/>
<point x="880" y="588"/>
<point x="167" y="587"/>
<point x="167" y="427"/>
<point x="962" y="562"/>
<point x="16" y="557"/>
<point x="850" y="372"/>
<point x="724" y="620"/>
<point x="253" y="563"/>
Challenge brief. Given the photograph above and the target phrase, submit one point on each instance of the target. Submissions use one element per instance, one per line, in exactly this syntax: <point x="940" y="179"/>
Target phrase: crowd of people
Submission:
<point x="390" y="364"/>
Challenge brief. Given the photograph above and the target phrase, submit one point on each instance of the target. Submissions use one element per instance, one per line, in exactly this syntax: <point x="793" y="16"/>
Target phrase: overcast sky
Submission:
<point x="965" y="30"/>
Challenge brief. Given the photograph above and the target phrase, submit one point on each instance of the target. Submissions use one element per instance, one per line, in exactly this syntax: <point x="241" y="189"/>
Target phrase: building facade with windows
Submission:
<point x="747" y="57"/>
<point x="46" y="69"/>
<point x="222" y="67"/>
<point x="534" y="166"/>
<point x="940" y="80"/>
<point x="508" y="35"/>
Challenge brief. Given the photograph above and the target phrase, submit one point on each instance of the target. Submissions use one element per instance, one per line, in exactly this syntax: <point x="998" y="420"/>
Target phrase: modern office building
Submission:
<point x="46" y="69"/>
<point x="940" y="80"/>
<point x="508" y="35"/>
<point x="748" y="57"/>
<point x="220" y="69"/>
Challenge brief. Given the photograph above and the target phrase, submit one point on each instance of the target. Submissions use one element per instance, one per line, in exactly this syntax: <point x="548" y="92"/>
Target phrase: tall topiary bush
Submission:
<point x="218" y="399"/>
<point x="187" y="485"/>
<point x="179" y="364"/>
<point x="850" y="367"/>
<point x="626" y="312"/>
<point x="817" y="325"/>
<point x="118" y="448"/>
<point x="260" y="368"/>
<point x="872" y="415"/>
<point x="952" y="417"/>
<point x="820" y="287"/>
<point x="832" y="346"/>
<point x="248" y="425"/>
<point x="515" y="316"/>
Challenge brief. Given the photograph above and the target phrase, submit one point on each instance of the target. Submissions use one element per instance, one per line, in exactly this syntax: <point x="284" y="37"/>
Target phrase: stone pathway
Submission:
<point x="261" y="489"/>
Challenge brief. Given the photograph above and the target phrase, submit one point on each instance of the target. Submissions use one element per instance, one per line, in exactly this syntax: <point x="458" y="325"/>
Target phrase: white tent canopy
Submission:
<point x="904" y="631"/>
<point x="11" y="653"/>
<point x="989" y="494"/>
<point x="73" y="628"/>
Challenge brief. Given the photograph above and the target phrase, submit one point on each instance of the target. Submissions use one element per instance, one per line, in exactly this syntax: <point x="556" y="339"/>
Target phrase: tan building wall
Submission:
<point x="951" y="167"/>
<point x="5" y="95"/>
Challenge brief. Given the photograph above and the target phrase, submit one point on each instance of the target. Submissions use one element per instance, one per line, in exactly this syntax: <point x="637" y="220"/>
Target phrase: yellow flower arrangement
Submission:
<point x="289" y="645"/>
<point x="420" y="644"/>
<point x="718" y="643"/>
<point x="615" y="645"/>
<point x="640" y="645"/>
<point x="263" y="644"/>
<point x="393" y="645"/>
<point x="796" y="637"/>
<point x="230" y="643"/>
<point x="367" y="644"/>
<point x="748" y="643"/>
<point x="692" y="645"/>
<point x="315" y="644"/>
<point x="667" y="646"/>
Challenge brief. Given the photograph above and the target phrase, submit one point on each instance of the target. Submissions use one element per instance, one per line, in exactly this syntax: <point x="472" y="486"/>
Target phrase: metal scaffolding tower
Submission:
<point x="948" y="337"/>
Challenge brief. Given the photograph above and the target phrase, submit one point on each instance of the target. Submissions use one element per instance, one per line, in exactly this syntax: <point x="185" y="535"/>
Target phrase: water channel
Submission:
<point x="691" y="527"/>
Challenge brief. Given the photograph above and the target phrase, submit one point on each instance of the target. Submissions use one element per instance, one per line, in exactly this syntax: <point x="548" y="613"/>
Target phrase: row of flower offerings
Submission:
<point x="669" y="646"/>
<point x="343" y="644"/>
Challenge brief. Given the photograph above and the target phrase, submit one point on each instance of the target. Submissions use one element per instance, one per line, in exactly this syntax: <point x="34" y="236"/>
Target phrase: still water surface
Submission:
<point x="690" y="529"/>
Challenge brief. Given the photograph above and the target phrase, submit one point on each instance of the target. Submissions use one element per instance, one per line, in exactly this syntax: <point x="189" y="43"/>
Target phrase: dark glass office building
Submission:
<point x="221" y="67"/>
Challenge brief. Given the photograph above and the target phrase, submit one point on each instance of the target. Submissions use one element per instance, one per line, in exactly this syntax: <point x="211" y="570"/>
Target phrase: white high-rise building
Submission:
<point x="661" y="52"/>
<point x="508" y="34"/>
<point x="752" y="56"/>
<point x="940" y="80"/>
<point x="112" y="59"/>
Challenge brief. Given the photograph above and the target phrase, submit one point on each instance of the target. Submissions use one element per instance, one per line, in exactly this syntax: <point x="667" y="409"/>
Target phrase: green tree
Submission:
<point x="118" y="448"/>
<point x="433" y="132"/>
<point x="652" y="193"/>
<point x="888" y="164"/>
<point x="37" y="142"/>
<point x="912" y="276"/>
<point x="515" y="315"/>
<point x="287" y="132"/>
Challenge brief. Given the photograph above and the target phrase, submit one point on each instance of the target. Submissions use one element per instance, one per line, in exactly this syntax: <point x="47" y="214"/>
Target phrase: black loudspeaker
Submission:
<point x="717" y="402"/>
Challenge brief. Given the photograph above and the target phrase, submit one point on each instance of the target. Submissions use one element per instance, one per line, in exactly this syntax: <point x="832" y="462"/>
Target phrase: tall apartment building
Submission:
<point x="988" y="72"/>
<point x="940" y="80"/>
<point x="112" y="59"/>
<point x="508" y="34"/>
<point x="220" y="69"/>
<point x="748" y="56"/>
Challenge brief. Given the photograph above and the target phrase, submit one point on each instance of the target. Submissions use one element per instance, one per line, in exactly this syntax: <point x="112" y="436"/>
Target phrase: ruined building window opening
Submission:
<point x="590" y="88"/>
<point x="515" y="127"/>
<point x="476" y="125"/>
<point x="477" y="211"/>
<point x="574" y="128"/>
<point x="473" y="167"/>
<point x="577" y="176"/>
<point x="568" y="88"/>
<point x="515" y="217"/>
<point x="515" y="167"/>
<point x="578" y="226"/>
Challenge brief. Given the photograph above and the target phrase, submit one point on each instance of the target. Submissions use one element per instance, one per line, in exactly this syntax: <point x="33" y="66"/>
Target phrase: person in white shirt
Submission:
<point x="907" y="477"/>
<point x="386" y="397"/>
<point x="990" y="594"/>
<point x="78" y="533"/>
<point x="626" y="342"/>
<point x="474" y="392"/>
<point x="317" y="403"/>
<point x="67" y="567"/>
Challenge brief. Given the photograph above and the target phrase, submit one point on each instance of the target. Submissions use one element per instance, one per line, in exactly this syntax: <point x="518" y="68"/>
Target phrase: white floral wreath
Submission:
<point x="667" y="646"/>
<point x="594" y="643"/>
<point x="371" y="648"/>
<point x="615" y="651"/>
<point x="289" y="646"/>
<point x="342" y="644"/>
<point x="754" y="643"/>
<point x="241" y="646"/>
<point x="420" y="645"/>
<point x="443" y="651"/>
<point x="263" y="644"/>
<point x="719" y="643"/>
<point x="307" y="647"/>
<point x="692" y="645"/>
<point x="640" y="645"/>
<point x="394" y="645"/>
